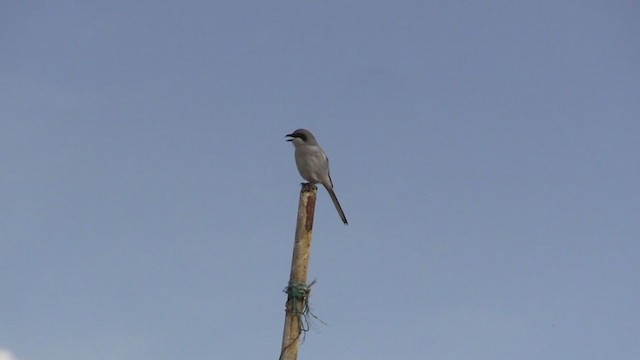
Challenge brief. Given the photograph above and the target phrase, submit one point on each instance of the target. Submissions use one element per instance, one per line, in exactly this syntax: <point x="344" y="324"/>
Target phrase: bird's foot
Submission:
<point x="307" y="186"/>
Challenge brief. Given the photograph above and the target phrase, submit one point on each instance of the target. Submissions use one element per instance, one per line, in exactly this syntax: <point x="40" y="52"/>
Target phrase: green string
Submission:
<point x="298" y="297"/>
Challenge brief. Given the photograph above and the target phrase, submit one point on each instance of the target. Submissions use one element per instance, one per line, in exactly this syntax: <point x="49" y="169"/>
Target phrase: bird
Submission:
<point x="313" y="164"/>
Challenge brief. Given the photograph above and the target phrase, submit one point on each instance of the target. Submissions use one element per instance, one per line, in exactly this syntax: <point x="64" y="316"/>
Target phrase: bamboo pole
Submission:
<point x="299" y="266"/>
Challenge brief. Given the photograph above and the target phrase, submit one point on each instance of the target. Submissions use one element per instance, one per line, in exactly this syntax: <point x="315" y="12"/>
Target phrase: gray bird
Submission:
<point x="313" y="164"/>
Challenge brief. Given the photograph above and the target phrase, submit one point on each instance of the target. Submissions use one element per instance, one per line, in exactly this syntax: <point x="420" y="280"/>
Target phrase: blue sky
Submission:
<point x="485" y="153"/>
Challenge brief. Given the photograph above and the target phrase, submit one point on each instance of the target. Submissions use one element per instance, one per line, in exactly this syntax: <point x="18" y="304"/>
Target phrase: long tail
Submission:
<point x="336" y="203"/>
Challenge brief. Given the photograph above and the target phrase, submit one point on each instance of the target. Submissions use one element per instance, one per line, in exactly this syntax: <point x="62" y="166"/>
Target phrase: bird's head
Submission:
<point x="301" y="137"/>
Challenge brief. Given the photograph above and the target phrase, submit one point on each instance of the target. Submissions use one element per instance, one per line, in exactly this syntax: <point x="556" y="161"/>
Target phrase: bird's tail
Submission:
<point x="336" y="203"/>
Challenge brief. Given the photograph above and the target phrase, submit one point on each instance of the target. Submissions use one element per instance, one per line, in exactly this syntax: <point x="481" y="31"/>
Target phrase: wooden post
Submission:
<point x="299" y="266"/>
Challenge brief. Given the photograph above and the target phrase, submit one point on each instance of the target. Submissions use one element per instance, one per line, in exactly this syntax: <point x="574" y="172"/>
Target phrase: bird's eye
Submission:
<point x="303" y="137"/>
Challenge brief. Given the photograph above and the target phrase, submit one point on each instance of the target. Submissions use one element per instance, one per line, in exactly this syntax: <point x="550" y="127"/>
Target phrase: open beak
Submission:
<point x="291" y="136"/>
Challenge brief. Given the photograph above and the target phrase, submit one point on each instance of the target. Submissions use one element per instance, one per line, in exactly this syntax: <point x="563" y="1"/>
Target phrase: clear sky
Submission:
<point x="486" y="153"/>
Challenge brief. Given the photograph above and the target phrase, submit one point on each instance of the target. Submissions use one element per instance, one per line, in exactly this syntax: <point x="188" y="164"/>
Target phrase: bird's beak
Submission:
<point x="291" y="136"/>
